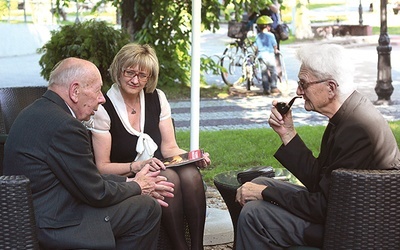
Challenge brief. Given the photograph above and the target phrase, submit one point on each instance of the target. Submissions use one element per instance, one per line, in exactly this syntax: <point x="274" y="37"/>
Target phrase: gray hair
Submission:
<point x="329" y="61"/>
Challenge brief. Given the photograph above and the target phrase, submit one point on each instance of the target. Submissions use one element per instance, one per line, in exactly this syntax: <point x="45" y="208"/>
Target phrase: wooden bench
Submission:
<point x="331" y="30"/>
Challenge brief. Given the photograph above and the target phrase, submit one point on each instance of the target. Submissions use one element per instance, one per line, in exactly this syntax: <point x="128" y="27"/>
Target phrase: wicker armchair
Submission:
<point x="15" y="99"/>
<point x="12" y="101"/>
<point x="17" y="220"/>
<point x="362" y="209"/>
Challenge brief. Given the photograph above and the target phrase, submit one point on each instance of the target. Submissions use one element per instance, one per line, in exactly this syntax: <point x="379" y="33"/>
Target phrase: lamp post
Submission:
<point x="360" y="13"/>
<point x="384" y="87"/>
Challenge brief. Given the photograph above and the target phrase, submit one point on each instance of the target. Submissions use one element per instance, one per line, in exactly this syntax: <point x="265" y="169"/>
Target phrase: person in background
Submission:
<point x="266" y="49"/>
<point x="271" y="10"/>
<point x="134" y="128"/>
<point x="75" y="206"/>
<point x="277" y="214"/>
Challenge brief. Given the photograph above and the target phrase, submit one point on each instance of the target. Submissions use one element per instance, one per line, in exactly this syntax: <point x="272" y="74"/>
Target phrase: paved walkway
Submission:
<point x="19" y="67"/>
<point x="252" y="111"/>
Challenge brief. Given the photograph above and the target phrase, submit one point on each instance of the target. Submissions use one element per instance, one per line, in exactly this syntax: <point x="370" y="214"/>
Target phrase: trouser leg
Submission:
<point x="274" y="77"/>
<point x="136" y="222"/>
<point x="263" y="225"/>
<point x="265" y="78"/>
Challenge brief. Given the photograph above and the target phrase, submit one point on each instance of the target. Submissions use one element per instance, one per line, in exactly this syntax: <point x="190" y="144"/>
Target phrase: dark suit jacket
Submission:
<point x="357" y="137"/>
<point x="52" y="148"/>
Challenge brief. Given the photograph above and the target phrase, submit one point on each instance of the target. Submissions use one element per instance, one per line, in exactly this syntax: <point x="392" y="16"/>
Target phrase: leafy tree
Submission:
<point x="166" y="25"/>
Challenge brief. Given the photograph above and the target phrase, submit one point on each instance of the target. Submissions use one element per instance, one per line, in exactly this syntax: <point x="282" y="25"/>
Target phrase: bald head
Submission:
<point x="71" y="69"/>
<point x="78" y="82"/>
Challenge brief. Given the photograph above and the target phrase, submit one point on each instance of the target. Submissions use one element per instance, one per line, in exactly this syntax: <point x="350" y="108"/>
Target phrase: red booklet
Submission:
<point x="185" y="158"/>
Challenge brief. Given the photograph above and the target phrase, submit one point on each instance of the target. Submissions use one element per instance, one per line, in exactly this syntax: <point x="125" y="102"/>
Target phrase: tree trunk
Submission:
<point x="133" y="15"/>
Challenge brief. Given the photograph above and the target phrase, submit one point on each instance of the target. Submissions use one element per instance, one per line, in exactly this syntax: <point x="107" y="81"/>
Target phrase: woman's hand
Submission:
<point x="205" y="162"/>
<point x="154" y="163"/>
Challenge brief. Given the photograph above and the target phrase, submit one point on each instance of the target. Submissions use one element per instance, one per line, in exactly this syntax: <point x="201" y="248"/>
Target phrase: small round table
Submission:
<point x="227" y="184"/>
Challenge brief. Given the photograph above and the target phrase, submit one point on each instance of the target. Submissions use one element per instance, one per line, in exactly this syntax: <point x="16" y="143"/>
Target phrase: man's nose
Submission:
<point x="299" y="91"/>
<point x="102" y="99"/>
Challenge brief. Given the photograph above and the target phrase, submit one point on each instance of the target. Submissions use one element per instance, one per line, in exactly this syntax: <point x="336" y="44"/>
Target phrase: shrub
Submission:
<point x="92" y="40"/>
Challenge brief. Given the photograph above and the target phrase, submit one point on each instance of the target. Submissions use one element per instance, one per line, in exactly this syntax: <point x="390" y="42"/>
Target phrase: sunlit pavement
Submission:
<point x="238" y="112"/>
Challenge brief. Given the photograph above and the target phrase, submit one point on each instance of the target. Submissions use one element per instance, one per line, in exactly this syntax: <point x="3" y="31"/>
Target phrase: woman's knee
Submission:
<point x="172" y="176"/>
<point x="190" y="174"/>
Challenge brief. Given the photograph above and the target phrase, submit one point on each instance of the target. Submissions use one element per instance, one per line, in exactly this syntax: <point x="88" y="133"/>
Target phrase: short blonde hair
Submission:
<point x="132" y="55"/>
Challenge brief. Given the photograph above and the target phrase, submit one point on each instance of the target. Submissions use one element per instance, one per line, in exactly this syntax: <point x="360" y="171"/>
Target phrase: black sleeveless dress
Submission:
<point x="123" y="145"/>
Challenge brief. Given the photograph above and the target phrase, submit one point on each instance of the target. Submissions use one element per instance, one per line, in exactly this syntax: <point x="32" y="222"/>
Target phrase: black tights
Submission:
<point x="189" y="202"/>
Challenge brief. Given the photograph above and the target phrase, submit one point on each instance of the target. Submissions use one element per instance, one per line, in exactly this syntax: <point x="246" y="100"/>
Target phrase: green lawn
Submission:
<point x="242" y="149"/>
<point x="323" y="4"/>
<point x="390" y="30"/>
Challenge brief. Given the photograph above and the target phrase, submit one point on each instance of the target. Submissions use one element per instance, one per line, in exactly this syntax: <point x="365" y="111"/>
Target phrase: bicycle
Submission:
<point x="239" y="61"/>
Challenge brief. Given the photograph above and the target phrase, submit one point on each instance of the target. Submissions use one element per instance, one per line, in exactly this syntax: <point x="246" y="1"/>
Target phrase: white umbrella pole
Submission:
<point x="195" y="77"/>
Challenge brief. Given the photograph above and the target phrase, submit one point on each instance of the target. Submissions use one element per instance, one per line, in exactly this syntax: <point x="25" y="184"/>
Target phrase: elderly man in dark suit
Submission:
<point x="277" y="214"/>
<point x="75" y="206"/>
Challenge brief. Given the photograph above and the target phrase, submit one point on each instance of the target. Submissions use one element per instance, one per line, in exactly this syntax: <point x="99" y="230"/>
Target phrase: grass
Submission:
<point x="313" y="6"/>
<point x="242" y="149"/>
<point x="183" y="92"/>
<point x="390" y="30"/>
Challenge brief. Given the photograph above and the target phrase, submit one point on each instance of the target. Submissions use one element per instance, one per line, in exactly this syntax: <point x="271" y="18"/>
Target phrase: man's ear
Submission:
<point x="332" y="88"/>
<point x="74" y="92"/>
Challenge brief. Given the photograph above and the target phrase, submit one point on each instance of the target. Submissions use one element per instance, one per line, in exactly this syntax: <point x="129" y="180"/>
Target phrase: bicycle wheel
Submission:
<point x="253" y="71"/>
<point x="232" y="65"/>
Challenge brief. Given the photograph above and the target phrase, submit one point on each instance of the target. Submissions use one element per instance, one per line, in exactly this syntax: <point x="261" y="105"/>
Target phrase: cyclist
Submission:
<point x="271" y="10"/>
<point x="266" y="48"/>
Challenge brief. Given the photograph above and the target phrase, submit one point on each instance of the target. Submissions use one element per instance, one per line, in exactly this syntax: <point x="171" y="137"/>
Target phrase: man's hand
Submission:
<point x="153" y="184"/>
<point x="163" y="189"/>
<point x="282" y="125"/>
<point x="249" y="192"/>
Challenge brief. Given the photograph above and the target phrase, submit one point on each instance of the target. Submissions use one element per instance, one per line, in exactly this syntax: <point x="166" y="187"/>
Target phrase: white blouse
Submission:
<point x="145" y="147"/>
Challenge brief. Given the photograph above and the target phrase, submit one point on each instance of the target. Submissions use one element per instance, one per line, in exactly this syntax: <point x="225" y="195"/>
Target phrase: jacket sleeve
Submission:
<point x="349" y="147"/>
<point x="71" y="160"/>
<point x="308" y="205"/>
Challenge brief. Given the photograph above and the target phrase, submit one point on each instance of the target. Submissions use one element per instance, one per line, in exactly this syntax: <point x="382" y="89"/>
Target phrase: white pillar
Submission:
<point x="195" y="76"/>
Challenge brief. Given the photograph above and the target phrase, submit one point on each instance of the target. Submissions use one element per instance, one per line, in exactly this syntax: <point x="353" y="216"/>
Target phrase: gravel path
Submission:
<point x="214" y="200"/>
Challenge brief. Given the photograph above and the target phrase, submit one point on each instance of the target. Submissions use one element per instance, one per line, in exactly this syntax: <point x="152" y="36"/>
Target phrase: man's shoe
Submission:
<point x="266" y="92"/>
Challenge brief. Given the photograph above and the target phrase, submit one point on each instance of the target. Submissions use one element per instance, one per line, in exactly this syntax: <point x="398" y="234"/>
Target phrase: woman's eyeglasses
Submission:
<point x="142" y="77"/>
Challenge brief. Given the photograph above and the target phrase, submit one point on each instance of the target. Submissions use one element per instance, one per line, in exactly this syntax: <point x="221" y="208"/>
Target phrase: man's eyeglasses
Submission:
<point x="142" y="77"/>
<point x="304" y="85"/>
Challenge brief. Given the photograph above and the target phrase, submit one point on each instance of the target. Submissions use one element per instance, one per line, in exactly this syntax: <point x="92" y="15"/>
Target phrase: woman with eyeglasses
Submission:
<point x="134" y="127"/>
